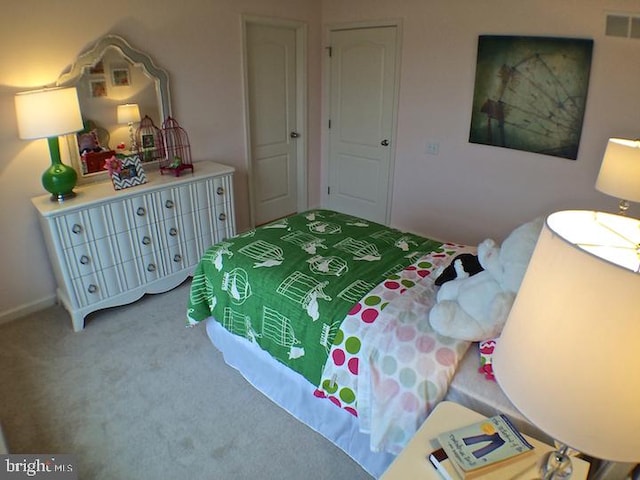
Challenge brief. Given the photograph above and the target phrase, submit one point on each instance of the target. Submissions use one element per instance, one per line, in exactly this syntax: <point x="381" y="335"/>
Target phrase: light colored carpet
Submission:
<point x="136" y="395"/>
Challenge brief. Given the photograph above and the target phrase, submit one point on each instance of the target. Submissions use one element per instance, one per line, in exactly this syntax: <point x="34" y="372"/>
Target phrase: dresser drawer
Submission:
<point x="177" y="257"/>
<point x="221" y="189"/>
<point x="90" y="257"/>
<point x="140" y="210"/>
<point x="174" y="202"/>
<point x="96" y="286"/>
<point x="81" y="227"/>
<point x="131" y="213"/>
<point x="144" y="240"/>
<point x="170" y="232"/>
<point x="151" y="267"/>
<point x="224" y="222"/>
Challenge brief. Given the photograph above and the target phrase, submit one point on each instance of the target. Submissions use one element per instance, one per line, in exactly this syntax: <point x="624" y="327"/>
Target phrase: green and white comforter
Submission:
<point x="288" y="285"/>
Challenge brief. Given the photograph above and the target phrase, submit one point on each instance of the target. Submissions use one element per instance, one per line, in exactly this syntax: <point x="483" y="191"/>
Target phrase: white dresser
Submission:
<point x="110" y="247"/>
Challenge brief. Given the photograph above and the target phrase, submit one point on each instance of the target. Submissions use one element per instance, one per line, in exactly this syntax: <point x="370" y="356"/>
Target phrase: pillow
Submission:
<point x="463" y="265"/>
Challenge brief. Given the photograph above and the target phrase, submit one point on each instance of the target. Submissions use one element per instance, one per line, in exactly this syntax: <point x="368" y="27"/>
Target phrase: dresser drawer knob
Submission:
<point x="141" y="212"/>
<point x="76" y="228"/>
<point x="92" y="288"/>
<point x="220" y="191"/>
<point x="173" y="231"/>
<point x="222" y="217"/>
<point x="177" y="258"/>
<point x="169" y="204"/>
<point x="84" y="260"/>
<point x="146" y="240"/>
<point x="151" y="267"/>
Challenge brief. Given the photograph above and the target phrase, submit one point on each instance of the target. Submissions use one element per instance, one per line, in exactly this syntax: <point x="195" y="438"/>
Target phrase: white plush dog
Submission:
<point x="476" y="308"/>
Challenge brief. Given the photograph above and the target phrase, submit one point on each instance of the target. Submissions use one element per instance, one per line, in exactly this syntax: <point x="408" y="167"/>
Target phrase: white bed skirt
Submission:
<point x="268" y="375"/>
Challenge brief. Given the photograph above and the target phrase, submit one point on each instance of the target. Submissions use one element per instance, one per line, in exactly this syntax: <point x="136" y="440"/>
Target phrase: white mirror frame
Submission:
<point x="88" y="59"/>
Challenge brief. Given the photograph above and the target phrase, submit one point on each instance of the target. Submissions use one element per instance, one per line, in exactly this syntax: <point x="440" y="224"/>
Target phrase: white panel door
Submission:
<point x="271" y="82"/>
<point x="362" y="103"/>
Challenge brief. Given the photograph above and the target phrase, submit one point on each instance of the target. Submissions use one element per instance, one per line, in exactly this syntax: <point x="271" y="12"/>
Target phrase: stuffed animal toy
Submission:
<point x="88" y="142"/>
<point x="475" y="308"/>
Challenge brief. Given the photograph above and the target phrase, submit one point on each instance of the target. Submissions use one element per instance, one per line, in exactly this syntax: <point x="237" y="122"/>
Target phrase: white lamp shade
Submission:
<point x="128" y="113"/>
<point x="48" y="113"/>
<point x="568" y="356"/>
<point x="619" y="174"/>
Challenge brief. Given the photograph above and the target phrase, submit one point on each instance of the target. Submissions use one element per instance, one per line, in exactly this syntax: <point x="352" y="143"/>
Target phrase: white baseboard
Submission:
<point x="26" y="309"/>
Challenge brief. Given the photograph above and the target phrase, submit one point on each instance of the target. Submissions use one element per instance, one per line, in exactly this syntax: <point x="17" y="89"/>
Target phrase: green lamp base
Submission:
<point x="59" y="179"/>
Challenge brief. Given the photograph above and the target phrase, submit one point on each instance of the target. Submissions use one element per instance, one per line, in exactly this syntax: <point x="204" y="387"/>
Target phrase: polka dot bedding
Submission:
<point x="386" y="365"/>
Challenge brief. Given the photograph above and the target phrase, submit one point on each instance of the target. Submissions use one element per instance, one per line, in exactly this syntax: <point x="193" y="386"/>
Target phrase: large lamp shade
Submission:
<point x="568" y="355"/>
<point x="47" y="113"/>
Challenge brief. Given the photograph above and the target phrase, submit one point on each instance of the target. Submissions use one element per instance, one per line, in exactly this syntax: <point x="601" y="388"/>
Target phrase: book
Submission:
<point x="525" y="468"/>
<point x="483" y="446"/>
<point x="443" y="465"/>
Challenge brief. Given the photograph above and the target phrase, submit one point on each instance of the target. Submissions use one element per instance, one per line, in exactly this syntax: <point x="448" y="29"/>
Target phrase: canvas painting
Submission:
<point x="530" y="93"/>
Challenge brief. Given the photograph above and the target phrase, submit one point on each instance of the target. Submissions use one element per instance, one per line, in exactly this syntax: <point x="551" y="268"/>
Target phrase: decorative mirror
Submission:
<point x="110" y="77"/>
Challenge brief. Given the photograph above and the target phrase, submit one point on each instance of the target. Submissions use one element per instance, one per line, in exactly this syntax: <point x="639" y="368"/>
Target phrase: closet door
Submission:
<point x="362" y="94"/>
<point x="275" y="88"/>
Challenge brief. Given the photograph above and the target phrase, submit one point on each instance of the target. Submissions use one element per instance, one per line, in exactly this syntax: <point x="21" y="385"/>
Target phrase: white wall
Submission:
<point x="197" y="41"/>
<point x="468" y="191"/>
<point x="465" y="193"/>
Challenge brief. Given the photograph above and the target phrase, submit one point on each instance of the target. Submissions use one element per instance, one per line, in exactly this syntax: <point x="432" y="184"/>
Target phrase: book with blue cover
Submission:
<point x="482" y="446"/>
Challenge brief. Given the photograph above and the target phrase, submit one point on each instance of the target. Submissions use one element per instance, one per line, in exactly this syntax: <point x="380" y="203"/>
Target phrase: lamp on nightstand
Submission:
<point x="619" y="174"/>
<point x="128" y="114"/>
<point x="49" y="113"/>
<point x="568" y="355"/>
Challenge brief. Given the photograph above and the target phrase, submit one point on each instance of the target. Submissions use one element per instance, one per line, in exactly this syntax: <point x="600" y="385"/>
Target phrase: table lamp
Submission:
<point x="619" y="174"/>
<point x="568" y="355"/>
<point x="49" y="113"/>
<point x="127" y="114"/>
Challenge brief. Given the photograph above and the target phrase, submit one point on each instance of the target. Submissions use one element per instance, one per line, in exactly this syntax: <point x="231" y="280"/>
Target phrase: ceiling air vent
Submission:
<point x="621" y="25"/>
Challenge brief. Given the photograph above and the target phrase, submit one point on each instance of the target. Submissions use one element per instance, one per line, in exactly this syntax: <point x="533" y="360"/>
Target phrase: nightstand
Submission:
<point x="412" y="462"/>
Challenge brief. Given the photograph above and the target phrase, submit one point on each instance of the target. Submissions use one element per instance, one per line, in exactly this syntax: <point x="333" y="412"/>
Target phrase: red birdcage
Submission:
<point x="149" y="141"/>
<point x="177" y="151"/>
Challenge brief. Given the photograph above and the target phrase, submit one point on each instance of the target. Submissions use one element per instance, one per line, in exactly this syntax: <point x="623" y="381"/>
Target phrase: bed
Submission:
<point x="327" y="315"/>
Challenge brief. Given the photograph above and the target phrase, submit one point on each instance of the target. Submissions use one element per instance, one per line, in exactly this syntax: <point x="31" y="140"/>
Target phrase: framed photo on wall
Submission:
<point x="120" y="77"/>
<point x="98" y="88"/>
<point x="97" y="69"/>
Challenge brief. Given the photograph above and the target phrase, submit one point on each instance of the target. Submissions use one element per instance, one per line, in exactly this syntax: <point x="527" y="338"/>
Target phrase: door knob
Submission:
<point x="294" y="134"/>
<point x="384" y="143"/>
